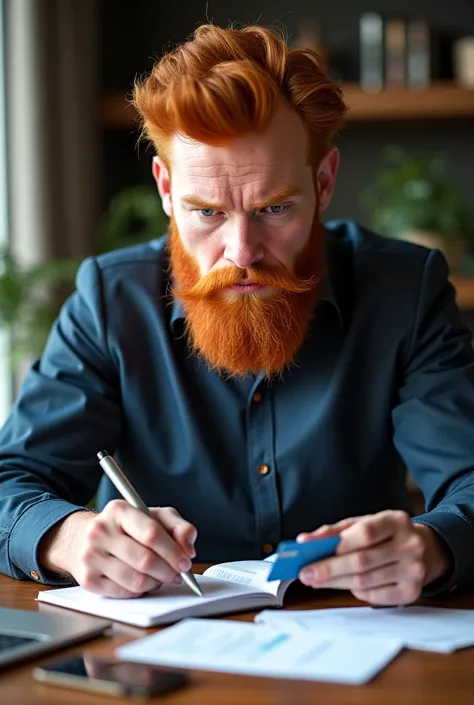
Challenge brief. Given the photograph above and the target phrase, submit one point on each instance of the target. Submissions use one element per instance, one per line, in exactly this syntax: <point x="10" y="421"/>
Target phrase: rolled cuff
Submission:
<point x="26" y="535"/>
<point x="458" y="534"/>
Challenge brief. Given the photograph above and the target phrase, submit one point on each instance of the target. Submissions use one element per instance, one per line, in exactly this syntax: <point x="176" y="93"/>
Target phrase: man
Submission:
<point x="262" y="374"/>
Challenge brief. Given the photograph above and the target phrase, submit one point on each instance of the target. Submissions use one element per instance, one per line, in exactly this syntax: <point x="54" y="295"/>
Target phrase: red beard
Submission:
<point x="248" y="333"/>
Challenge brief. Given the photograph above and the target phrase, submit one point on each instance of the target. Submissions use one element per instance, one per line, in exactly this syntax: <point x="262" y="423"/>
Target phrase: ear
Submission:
<point x="326" y="177"/>
<point x="163" y="183"/>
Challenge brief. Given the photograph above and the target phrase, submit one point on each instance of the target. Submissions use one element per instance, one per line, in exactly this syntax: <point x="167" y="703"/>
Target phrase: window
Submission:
<point x="5" y="370"/>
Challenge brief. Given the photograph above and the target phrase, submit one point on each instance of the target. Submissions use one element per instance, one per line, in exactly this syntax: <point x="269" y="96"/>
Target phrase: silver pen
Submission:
<point x="128" y="492"/>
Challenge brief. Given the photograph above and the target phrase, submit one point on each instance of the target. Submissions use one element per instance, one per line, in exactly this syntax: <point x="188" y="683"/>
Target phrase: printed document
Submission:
<point x="426" y="628"/>
<point x="236" y="647"/>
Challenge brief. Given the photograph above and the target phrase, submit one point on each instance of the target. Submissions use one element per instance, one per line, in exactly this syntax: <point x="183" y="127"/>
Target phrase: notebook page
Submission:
<point x="154" y="607"/>
<point x="250" y="573"/>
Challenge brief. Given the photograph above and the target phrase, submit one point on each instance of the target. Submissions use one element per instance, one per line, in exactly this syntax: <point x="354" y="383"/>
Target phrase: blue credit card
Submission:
<point x="291" y="556"/>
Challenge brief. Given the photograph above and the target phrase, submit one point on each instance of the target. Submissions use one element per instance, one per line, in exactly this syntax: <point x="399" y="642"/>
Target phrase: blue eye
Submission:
<point x="207" y="212"/>
<point x="277" y="209"/>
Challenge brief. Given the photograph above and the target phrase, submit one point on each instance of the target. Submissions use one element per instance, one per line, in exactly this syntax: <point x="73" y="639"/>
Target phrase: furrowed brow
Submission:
<point x="279" y="197"/>
<point x="199" y="203"/>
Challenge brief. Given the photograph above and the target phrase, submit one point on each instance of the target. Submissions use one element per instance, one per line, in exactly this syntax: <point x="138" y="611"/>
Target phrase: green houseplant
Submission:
<point x="30" y="299"/>
<point x="412" y="199"/>
<point x="134" y="215"/>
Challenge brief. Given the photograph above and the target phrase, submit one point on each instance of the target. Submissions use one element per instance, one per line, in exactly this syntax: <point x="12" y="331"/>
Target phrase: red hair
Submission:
<point x="225" y="83"/>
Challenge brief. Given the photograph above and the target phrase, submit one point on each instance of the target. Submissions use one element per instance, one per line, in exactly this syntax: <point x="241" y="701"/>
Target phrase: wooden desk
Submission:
<point x="414" y="678"/>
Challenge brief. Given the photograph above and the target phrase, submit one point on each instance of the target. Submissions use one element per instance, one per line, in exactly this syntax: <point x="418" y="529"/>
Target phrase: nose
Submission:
<point x="243" y="247"/>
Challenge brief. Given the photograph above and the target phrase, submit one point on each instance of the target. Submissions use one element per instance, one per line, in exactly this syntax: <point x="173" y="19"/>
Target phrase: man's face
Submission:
<point x="246" y="242"/>
<point x="250" y="202"/>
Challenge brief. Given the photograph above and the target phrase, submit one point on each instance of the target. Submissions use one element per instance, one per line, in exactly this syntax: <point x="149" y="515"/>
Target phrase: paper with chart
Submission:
<point x="427" y="628"/>
<point x="236" y="647"/>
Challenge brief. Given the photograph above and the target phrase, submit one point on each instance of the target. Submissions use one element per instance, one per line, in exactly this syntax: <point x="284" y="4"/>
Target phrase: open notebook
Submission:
<point x="227" y="587"/>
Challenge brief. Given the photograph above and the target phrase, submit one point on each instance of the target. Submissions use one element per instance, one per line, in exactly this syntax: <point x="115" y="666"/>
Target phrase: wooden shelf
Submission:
<point x="443" y="100"/>
<point x="464" y="292"/>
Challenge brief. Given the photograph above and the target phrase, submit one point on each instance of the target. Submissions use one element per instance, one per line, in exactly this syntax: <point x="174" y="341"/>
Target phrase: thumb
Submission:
<point x="327" y="530"/>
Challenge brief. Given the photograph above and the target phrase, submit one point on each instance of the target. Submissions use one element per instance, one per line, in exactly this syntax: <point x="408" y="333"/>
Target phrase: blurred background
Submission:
<point x="73" y="181"/>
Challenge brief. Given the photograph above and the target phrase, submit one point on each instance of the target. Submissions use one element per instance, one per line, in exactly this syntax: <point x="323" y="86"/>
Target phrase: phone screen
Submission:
<point x="117" y="677"/>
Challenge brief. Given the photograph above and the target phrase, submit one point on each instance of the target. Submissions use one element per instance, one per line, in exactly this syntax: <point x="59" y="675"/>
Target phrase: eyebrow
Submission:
<point x="282" y="195"/>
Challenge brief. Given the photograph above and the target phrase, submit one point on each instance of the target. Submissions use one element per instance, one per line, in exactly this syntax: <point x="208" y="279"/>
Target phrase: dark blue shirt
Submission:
<point x="384" y="381"/>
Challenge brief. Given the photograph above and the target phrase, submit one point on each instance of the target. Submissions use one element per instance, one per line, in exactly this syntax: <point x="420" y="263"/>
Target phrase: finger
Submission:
<point x="397" y="572"/>
<point x="128" y="578"/>
<point x="401" y="548"/>
<point x="325" y="571"/>
<point x="390" y="595"/>
<point x="101" y="585"/>
<point x="324" y="531"/>
<point x="374" y="529"/>
<point x="327" y="530"/>
<point x="184" y="533"/>
<point x="150" y="533"/>
<point x="143" y="559"/>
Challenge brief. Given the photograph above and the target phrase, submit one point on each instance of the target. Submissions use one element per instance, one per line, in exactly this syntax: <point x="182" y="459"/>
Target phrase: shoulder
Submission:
<point x="368" y="246"/>
<point x="144" y="264"/>
<point x="386" y="286"/>
<point x="385" y="265"/>
<point x="135" y="257"/>
<point x="123" y="291"/>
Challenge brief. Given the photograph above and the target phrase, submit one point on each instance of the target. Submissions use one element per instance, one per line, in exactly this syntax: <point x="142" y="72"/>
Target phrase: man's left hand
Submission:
<point x="383" y="559"/>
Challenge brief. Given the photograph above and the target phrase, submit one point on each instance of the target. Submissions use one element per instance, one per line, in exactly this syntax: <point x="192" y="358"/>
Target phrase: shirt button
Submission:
<point x="34" y="574"/>
<point x="267" y="548"/>
<point x="257" y="398"/>
<point x="263" y="469"/>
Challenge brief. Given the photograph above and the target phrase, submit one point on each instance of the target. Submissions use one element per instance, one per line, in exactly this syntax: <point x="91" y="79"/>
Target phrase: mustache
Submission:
<point x="276" y="277"/>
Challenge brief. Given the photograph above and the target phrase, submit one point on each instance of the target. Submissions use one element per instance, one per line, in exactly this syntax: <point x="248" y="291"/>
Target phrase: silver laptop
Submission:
<point x="24" y="634"/>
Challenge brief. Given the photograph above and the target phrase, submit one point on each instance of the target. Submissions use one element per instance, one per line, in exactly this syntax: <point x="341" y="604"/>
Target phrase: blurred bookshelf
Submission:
<point x="116" y="113"/>
<point x="464" y="292"/>
<point x="442" y="100"/>
<point x="401" y="74"/>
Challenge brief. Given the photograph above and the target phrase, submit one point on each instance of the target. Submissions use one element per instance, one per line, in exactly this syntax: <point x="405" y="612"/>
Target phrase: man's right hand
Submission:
<point x="120" y="552"/>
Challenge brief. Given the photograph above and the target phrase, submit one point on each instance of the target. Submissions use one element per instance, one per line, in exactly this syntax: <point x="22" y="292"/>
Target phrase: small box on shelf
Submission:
<point x="395" y="53"/>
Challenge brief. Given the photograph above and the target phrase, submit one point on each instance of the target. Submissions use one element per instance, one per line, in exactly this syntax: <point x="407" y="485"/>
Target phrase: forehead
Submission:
<point x="268" y="160"/>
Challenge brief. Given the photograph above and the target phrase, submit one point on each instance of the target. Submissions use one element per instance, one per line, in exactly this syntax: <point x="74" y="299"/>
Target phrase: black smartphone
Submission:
<point x="93" y="673"/>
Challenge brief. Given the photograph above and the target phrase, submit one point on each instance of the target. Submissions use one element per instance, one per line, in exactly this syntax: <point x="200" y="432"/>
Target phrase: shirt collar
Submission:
<point x="327" y="293"/>
<point x="327" y="289"/>
<point x="177" y="312"/>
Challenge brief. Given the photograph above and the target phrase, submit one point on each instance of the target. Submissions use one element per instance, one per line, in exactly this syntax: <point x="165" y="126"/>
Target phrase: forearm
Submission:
<point x="57" y="550"/>
<point x="28" y="509"/>
<point x="455" y="529"/>
<point x="438" y="558"/>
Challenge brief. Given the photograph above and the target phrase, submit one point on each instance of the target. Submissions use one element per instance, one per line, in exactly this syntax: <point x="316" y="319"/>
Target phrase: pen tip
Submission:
<point x="102" y="454"/>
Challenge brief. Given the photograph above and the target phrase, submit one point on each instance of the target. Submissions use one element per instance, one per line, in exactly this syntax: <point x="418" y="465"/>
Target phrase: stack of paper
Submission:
<point x="426" y="628"/>
<point x="236" y="647"/>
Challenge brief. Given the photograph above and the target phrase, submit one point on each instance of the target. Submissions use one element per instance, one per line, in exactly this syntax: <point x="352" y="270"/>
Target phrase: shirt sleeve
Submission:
<point x="434" y="419"/>
<point x="67" y="410"/>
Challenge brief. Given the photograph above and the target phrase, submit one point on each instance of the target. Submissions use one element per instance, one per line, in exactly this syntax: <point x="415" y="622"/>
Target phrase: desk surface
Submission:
<point x="415" y="677"/>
